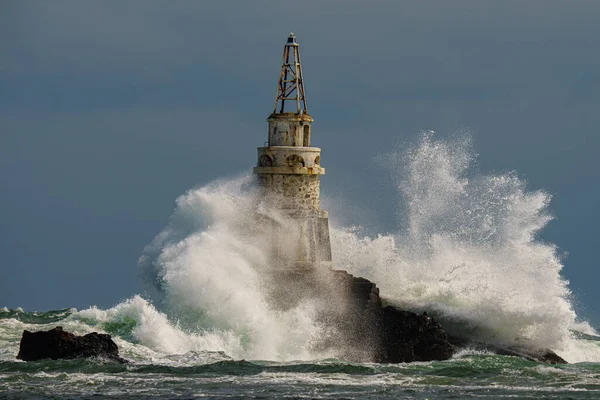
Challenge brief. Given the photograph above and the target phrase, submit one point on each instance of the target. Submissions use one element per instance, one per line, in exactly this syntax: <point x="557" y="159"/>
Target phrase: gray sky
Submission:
<point x="110" y="110"/>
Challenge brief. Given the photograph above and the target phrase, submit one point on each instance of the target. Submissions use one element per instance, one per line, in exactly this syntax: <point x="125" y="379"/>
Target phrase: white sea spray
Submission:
<point x="205" y="266"/>
<point x="469" y="253"/>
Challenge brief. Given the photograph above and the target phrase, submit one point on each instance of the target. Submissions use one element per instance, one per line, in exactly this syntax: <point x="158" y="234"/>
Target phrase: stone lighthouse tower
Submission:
<point x="289" y="172"/>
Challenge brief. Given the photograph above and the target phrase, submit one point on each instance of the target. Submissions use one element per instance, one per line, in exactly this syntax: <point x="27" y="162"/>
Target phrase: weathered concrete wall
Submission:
<point x="291" y="192"/>
<point x="289" y="129"/>
<point x="288" y="172"/>
<point x="299" y="243"/>
<point x="303" y="241"/>
<point x="315" y="240"/>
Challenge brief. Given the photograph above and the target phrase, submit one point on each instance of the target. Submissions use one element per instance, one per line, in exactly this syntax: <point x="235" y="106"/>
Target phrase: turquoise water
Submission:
<point x="152" y="374"/>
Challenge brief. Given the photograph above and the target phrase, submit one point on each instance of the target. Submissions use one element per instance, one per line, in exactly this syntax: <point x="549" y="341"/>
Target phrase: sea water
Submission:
<point x="468" y="254"/>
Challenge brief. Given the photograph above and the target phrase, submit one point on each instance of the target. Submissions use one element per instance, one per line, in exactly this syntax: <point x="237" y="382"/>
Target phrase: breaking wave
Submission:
<point x="204" y="271"/>
<point x="469" y="253"/>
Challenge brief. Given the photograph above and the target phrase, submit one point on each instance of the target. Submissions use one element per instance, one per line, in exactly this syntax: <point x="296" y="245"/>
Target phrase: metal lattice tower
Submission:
<point x="291" y="83"/>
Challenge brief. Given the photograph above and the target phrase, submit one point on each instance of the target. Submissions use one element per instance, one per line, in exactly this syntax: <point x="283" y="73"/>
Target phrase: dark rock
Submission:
<point x="550" y="357"/>
<point x="357" y="327"/>
<point x="540" y="355"/>
<point x="366" y="331"/>
<point x="531" y="354"/>
<point x="57" y="344"/>
<point x="408" y="337"/>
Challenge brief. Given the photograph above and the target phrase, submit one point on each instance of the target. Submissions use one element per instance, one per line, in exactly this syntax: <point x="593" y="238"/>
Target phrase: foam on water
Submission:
<point x="139" y="321"/>
<point x="469" y="253"/>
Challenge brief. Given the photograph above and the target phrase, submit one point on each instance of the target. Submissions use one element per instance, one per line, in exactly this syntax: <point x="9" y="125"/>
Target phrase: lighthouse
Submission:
<point x="289" y="173"/>
<point x="349" y="318"/>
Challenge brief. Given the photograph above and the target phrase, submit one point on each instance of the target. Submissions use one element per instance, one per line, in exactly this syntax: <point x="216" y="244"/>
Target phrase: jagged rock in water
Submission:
<point x="57" y="344"/>
<point x="408" y="337"/>
<point x="541" y="355"/>
<point x="532" y="354"/>
<point x="358" y="327"/>
<point x="357" y="324"/>
<point x="548" y="356"/>
<point x="386" y="334"/>
<point x="368" y="331"/>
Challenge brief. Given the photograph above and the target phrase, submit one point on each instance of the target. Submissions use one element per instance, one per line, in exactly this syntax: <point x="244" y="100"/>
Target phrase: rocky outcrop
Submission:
<point x="540" y="355"/>
<point x="57" y="344"/>
<point x="358" y="327"/>
<point x="532" y="354"/>
<point x="373" y="332"/>
<point x="550" y="357"/>
<point x="408" y="337"/>
<point x="387" y="334"/>
<point x="355" y="324"/>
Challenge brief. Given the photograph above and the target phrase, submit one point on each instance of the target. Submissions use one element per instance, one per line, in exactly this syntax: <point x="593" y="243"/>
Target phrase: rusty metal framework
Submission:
<point x="291" y="83"/>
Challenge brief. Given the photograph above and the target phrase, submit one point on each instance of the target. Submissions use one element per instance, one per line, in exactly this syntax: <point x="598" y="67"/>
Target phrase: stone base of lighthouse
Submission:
<point x="300" y="231"/>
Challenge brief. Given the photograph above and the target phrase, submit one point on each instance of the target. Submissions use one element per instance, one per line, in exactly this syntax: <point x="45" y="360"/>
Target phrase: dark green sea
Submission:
<point x="195" y="374"/>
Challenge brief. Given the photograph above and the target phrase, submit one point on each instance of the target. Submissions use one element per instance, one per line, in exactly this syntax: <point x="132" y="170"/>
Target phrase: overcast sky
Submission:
<point x="109" y="110"/>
